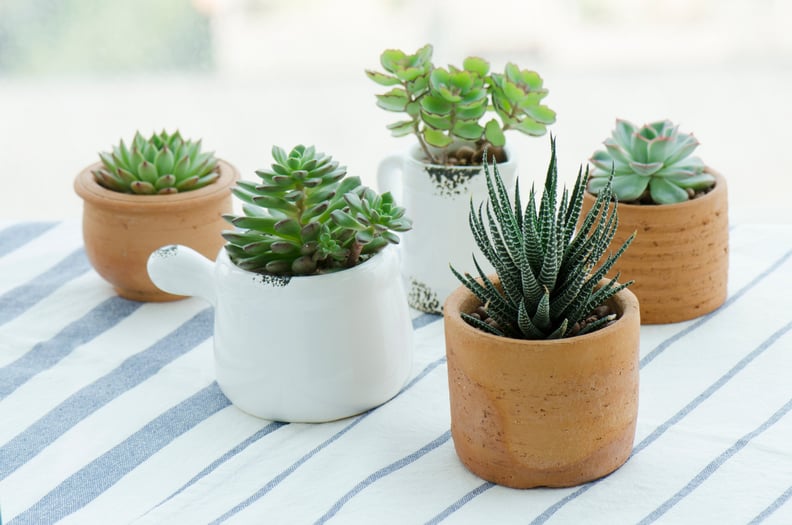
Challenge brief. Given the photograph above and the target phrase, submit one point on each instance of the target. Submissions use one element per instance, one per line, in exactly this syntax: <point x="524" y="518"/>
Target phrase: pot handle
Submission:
<point x="389" y="177"/>
<point x="181" y="270"/>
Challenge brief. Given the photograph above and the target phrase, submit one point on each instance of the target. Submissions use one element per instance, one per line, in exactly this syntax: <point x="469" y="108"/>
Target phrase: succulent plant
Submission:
<point x="165" y="163"/>
<point x="444" y="106"/>
<point x="549" y="286"/>
<point x="649" y="164"/>
<point x="306" y="217"/>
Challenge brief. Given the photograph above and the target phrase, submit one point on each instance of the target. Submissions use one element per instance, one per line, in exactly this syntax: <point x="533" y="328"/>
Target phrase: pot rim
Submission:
<point x="415" y="152"/>
<point x="720" y="187"/>
<point x="625" y="300"/>
<point x="348" y="273"/>
<point x="88" y="189"/>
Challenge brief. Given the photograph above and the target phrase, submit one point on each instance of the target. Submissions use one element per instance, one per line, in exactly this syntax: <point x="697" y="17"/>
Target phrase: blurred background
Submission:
<point x="78" y="75"/>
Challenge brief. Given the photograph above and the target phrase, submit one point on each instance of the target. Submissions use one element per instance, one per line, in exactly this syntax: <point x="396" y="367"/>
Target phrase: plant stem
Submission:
<point x="417" y="122"/>
<point x="354" y="254"/>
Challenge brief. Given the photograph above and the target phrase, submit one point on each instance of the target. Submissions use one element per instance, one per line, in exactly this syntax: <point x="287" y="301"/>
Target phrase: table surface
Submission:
<point x="110" y="414"/>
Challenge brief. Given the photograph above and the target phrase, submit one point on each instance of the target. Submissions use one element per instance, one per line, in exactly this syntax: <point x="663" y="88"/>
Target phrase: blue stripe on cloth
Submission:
<point x="272" y="427"/>
<point x="297" y="464"/>
<point x="16" y="301"/>
<point x="18" y="235"/>
<point x="659" y="431"/>
<point x="648" y="358"/>
<point x="130" y="373"/>
<point x="85" y="485"/>
<point x="425" y="319"/>
<point x="774" y="506"/>
<point x="715" y="464"/>
<point x="48" y="353"/>
<point x="458" y="504"/>
<point x="385" y="471"/>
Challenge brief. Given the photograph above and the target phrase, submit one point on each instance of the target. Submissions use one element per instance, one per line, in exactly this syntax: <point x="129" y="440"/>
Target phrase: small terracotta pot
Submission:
<point x="121" y="230"/>
<point x="680" y="256"/>
<point x="542" y="413"/>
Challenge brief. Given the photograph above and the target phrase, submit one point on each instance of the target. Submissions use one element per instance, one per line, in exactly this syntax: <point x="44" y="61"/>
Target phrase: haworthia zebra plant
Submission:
<point x="305" y="217"/>
<point x="546" y="268"/>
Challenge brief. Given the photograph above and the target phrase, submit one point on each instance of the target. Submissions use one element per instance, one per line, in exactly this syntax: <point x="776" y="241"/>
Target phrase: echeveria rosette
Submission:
<point x="163" y="164"/>
<point x="307" y="217"/>
<point x="655" y="158"/>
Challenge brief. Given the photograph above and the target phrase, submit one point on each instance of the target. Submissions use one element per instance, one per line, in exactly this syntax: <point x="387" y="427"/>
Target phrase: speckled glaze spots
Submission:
<point x="276" y="281"/>
<point x="439" y="206"/>
<point x="543" y="413"/>
<point x="680" y="256"/>
<point x="167" y="252"/>
<point x="421" y="297"/>
<point x="451" y="181"/>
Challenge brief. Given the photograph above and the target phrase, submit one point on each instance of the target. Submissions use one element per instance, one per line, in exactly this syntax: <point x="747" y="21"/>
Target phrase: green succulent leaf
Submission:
<point x="437" y="138"/>
<point x="494" y="134"/>
<point x="436" y="105"/>
<point x="666" y="192"/>
<point x="394" y="100"/>
<point x="401" y="128"/>
<point x="468" y="130"/>
<point x="383" y="80"/>
<point x="531" y="127"/>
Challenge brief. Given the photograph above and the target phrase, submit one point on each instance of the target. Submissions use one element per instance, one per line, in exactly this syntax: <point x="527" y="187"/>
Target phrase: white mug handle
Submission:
<point x="389" y="177"/>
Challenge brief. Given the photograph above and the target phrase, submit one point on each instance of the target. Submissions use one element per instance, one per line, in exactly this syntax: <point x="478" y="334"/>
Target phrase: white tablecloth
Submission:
<point x="109" y="414"/>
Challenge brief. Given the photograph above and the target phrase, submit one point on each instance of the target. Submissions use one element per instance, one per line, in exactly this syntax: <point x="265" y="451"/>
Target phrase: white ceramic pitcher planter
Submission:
<point x="438" y="198"/>
<point x="300" y="349"/>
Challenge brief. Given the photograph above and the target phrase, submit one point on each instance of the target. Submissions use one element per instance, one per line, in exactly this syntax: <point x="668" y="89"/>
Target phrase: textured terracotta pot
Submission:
<point x="542" y="413"/>
<point x="680" y="256"/>
<point x="121" y="230"/>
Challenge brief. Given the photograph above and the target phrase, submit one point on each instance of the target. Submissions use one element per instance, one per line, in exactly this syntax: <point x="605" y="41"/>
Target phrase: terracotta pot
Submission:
<point x="542" y="413"/>
<point x="121" y="230"/>
<point x="437" y="198"/>
<point x="680" y="256"/>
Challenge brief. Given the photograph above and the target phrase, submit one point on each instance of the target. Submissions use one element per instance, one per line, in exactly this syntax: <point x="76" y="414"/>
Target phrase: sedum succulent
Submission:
<point x="306" y="217"/>
<point x="649" y="164"/>
<point x="162" y="164"/>
<point x="448" y="105"/>
<point x="548" y="280"/>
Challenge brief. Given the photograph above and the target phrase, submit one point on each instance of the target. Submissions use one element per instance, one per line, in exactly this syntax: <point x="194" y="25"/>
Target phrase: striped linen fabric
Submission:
<point x="109" y="414"/>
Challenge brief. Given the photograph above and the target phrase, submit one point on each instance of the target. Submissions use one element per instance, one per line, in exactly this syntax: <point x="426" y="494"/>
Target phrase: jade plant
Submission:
<point x="162" y="164"/>
<point x="306" y="217"/>
<point x="651" y="164"/>
<point x="549" y="279"/>
<point x="444" y="106"/>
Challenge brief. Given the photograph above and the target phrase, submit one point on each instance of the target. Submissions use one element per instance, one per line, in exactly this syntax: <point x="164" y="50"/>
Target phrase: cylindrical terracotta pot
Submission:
<point x="680" y="256"/>
<point x="552" y="413"/>
<point x="121" y="230"/>
<point x="437" y="198"/>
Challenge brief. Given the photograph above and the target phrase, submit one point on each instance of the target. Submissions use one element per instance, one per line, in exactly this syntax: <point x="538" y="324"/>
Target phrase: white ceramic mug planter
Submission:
<point x="438" y="198"/>
<point x="300" y="349"/>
